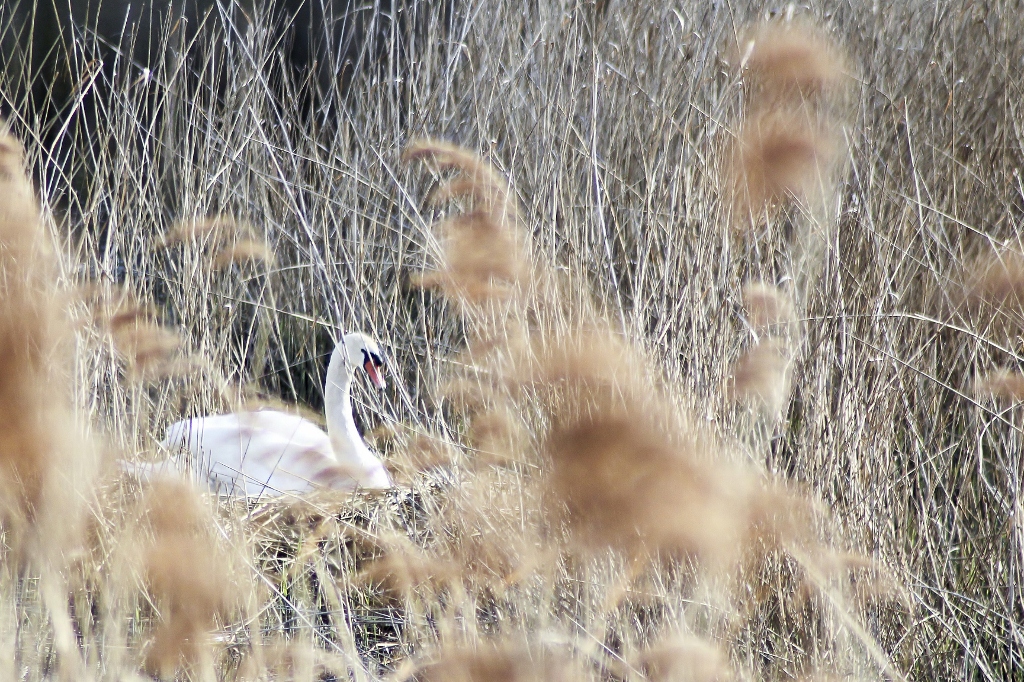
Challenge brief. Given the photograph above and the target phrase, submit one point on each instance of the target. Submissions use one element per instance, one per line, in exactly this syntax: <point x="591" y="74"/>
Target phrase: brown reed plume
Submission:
<point x="790" y="59"/>
<point x="229" y="241"/>
<point x="762" y="374"/>
<point x="779" y="155"/>
<point x="784" y="163"/>
<point x="621" y="469"/>
<point x="683" y="659"/>
<point x="615" y="465"/>
<point x="184" y="574"/>
<point x="498" y="662"/>
<point x="1003" y="384"/>
<point x="148" y="349"/>
<point x="993" y="291"/>
<point x="34" y="395"/>
<point x="483" y="258"/>
<point x="768" y="308"/>
<point x="786" y="147"/>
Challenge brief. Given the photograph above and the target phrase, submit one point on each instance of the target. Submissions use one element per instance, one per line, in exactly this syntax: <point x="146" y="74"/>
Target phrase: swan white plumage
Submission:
<point x="269" y="453"/>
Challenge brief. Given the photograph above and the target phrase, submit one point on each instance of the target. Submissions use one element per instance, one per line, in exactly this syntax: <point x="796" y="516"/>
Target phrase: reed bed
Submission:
<point x="702" y="324"/>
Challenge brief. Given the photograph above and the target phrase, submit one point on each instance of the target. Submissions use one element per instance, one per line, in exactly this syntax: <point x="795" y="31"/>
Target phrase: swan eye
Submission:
<point x="371" y="359"/>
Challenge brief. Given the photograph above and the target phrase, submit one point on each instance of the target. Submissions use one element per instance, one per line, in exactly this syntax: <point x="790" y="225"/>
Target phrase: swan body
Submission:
<point x="269" y="453"/>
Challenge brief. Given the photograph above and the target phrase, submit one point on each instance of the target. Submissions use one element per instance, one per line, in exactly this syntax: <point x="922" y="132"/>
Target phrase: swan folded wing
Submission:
<point x="262" y="453"/>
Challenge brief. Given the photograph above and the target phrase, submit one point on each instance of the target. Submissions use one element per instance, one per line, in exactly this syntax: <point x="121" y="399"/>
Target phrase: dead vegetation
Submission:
<point x="705" y="342"/>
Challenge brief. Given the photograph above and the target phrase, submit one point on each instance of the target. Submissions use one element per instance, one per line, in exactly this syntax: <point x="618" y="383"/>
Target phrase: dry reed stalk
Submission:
<point x="185" y="575"/>
<point x="621" y="483"/>
<point x="296" y="657"/>
<point x="619" y="479"/>
<point x="47" y="463"/>
<point x="28" y="340"/>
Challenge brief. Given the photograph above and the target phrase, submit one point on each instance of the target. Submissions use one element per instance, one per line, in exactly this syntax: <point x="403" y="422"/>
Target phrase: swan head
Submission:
<point x="362" y="351"/>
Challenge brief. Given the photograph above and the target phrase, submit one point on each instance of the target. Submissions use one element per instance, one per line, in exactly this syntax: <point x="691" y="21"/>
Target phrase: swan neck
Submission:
<point x="338" y="405"/>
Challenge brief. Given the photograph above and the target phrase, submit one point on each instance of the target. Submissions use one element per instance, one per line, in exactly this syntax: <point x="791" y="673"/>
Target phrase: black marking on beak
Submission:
<point x="371" y="361"/>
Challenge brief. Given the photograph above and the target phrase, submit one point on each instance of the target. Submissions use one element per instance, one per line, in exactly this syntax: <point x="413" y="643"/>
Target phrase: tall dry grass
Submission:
<point x="767" y="262"/>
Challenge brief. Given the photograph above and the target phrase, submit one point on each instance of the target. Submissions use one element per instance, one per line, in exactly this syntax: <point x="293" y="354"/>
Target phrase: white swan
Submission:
<point x="270" y="453"/>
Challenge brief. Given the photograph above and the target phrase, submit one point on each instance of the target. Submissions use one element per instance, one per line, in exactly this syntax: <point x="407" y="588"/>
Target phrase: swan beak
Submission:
<point x="375" y="375"/>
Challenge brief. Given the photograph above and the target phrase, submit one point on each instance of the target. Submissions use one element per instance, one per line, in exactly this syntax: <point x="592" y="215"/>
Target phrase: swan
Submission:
<point x="270" y="453"/>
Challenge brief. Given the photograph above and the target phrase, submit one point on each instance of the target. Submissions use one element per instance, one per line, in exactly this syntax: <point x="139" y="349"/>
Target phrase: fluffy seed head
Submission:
<point x="1004" y="384"/>
<point x="683" y="659"/>
<point x="405" y="570"/>
<point x="485" y="255"/>
<point x="183" y="574"/>
<point x="996" y="285"/>
<point x="768" y="307"/>
<point x="623" y="483"/>
<point x="148" y="349"/>
<point x="790" y="59"/>
<point x="476" y="178"/>
<point x="244" y="252"/>
<point x="762" y="375"/>
<point x="33" y="397"/>
<point x="214" y="229"/>
<point x="778" y="155"/>
<point x="481" y="260"/>
<point x="502" y="662"/>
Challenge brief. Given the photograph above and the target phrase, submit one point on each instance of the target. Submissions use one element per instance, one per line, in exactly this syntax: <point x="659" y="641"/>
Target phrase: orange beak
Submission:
<point x="375" y="375"/>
